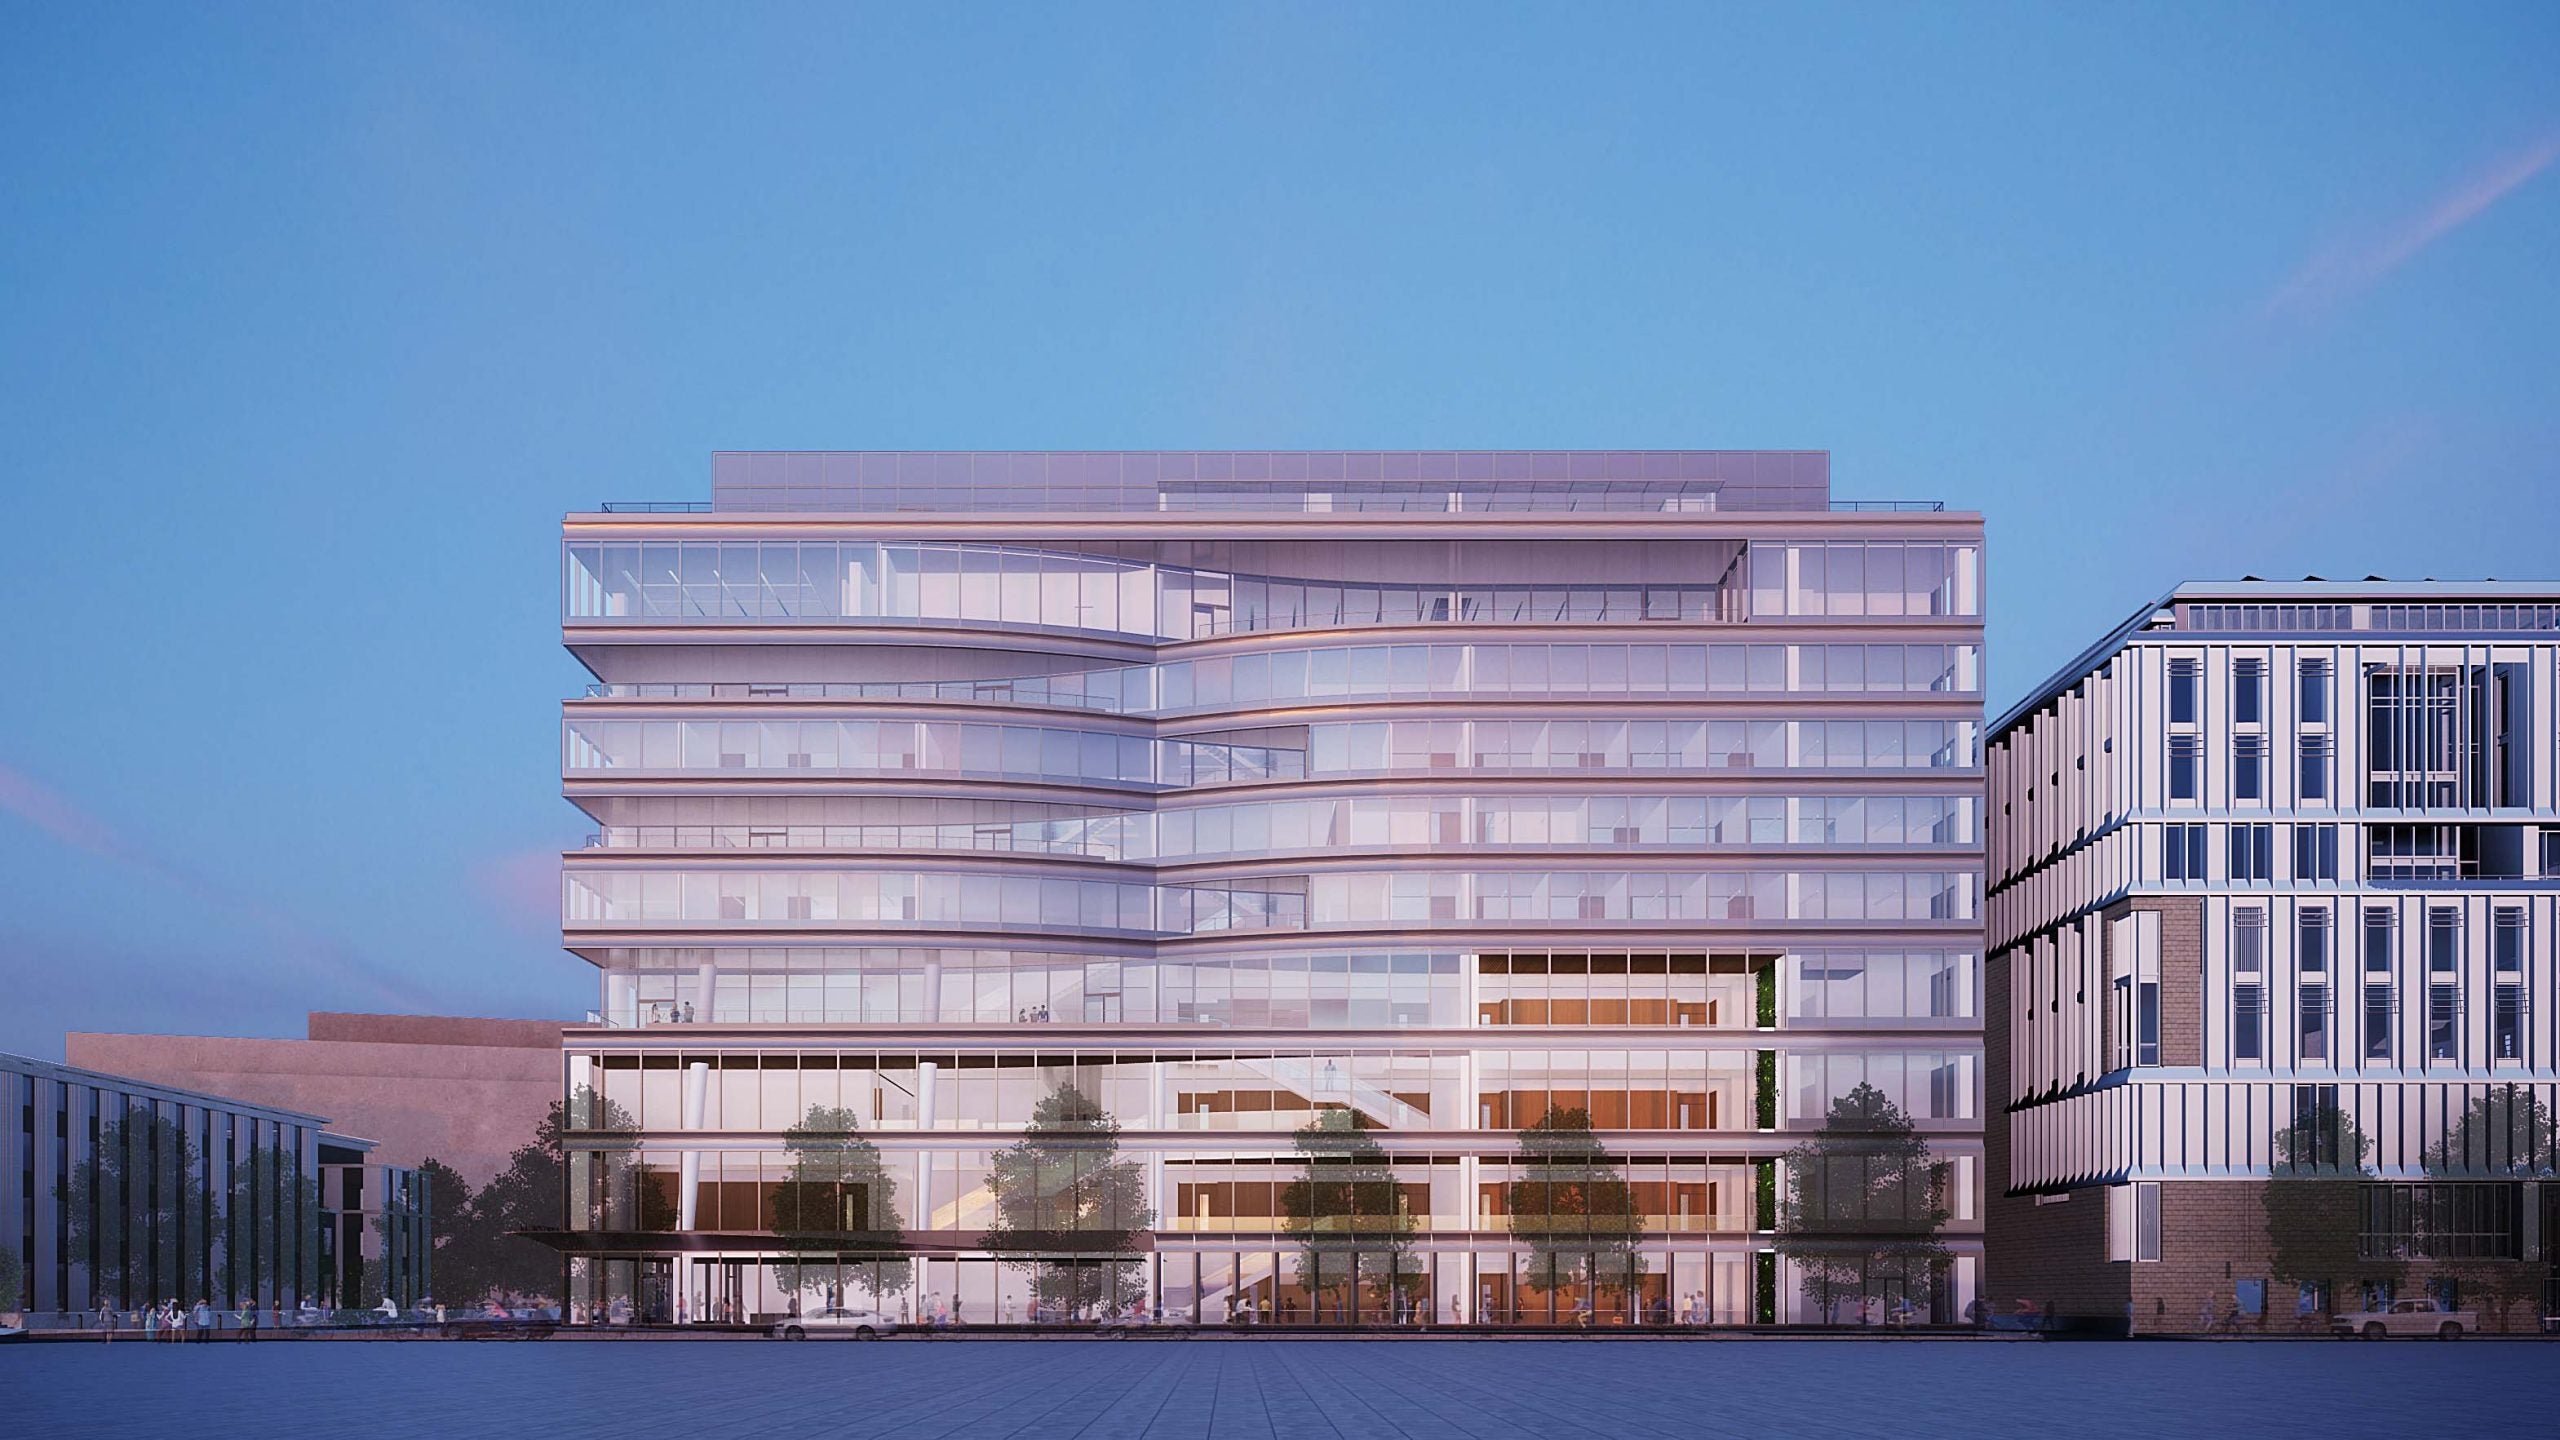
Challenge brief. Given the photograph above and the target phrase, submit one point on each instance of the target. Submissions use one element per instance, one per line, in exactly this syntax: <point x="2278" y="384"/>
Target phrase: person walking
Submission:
<point x="249" y="1322"/>
<point x="202" y="1318"/>
<point x="107" y="1322"/>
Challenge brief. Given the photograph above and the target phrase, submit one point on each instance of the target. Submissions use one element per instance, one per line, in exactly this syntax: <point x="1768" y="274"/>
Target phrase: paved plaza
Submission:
<point x="1280" y="1390"/>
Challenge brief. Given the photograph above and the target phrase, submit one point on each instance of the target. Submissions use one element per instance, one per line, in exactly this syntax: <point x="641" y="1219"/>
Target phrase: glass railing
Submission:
<point x="972" y="500"/>
<point x="1095" y="842"/>
<point x="1067" y="692"/>
<point x="1412" y="671"/>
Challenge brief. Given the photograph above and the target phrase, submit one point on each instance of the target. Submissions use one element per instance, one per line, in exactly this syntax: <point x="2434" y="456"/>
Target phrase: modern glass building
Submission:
<point x="123" y="1193"/>
<point x="1225" y="884"/>
<point x="2275" y="874"/>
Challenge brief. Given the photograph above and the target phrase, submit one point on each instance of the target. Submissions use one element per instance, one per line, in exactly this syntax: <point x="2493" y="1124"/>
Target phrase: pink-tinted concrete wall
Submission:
<point x="463" y="1091"/>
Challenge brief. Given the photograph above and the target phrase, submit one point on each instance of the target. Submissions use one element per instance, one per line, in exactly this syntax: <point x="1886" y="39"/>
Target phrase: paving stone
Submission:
<point x="1278" y="1389"/>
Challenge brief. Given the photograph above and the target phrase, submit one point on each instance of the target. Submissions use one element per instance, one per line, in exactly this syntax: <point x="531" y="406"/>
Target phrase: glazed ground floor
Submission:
<point x="1251" y="1282"/>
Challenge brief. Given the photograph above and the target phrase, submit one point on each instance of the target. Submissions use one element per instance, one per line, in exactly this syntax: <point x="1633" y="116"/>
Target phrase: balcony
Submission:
<point x="1064" y="692"/>
<point x="1001" y="839"/>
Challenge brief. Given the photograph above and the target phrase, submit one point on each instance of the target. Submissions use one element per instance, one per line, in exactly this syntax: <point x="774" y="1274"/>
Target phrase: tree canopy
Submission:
<point x="145" y="1183"/>
<point x="1345" y="1211"/>
<point x="1571" y="1206"/>
<point x="840" y="1203"/>
<point x="2504" y="1134"/>
<point x="1863" y="1206"/>
<point x="1069" y="1211"/>
<point x="2313" y="1203"/>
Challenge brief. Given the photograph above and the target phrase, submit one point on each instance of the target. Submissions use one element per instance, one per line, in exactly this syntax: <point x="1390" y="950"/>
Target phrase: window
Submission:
<point x="2440" y="1220"/>
<point x="2253" y="852"/>
<point x="2182" y="691"/>
<point x="2133" y="1222"/>
<point x="2444" y="983"/>
<point x="2315" y="852"/>
<point x="2182" y="852"/>
<point x="2319" y="1130"/>
<point x="2133" y="941"/>
<point x="2185" y="754"/>
<point x="2311" y="703"/>
<point x="2249" y="767"/>
<point x="2248" y="983"/>
<point x="2311" y="990"/>
<point x="2377" y="983"/>
<point x="2506" y="965"/>
<point x="2311" y="781"/>
<point x="2248" y="692"/>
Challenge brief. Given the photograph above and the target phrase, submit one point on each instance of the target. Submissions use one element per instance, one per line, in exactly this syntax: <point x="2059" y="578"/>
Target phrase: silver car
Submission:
<point x="2408" y="1317"/>
<point x="835" y="1323"/>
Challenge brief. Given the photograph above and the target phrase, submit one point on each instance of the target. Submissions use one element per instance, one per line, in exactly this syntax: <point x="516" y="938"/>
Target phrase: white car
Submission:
<point x="2408" y="1317"/>
<point x="857" y="1324"/>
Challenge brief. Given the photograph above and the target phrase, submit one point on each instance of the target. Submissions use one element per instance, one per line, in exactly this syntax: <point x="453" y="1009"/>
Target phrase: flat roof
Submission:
<point x="74" y="1075"/>
<point x="2309" y="593"/>
<point x="804" y="481"/>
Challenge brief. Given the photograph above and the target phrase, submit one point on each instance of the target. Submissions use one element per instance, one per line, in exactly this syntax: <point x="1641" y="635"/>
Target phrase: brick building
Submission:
<point x="2272" y="883"/>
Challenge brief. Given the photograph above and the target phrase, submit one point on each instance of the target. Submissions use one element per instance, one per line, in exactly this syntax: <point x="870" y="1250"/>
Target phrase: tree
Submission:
<point x="2504" y="1134"/>
<point x="1345" y="1210"/>
<point x="459" y="1247"/>
<point x="531" y="1196"/>
<point x="1572" y="1207"/>
<point x="1069" y="1212"/>
<point x="2313" y="1203"/>
<point x="9" y="1280"/>
<point x="271" y="1185"/>
<point x="840" y="1204"/>
<point x="135" y="1206"/>
<point x="1863" y="1206"/>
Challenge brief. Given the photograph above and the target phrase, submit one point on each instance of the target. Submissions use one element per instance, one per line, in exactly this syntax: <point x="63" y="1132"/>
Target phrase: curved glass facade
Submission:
<point x="1130" y="589"/>
<point x="1677" y="838"/>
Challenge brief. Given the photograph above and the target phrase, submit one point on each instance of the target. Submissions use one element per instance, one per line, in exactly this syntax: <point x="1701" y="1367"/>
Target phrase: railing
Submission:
<point x="840" y="837"/>
<point x="1549" y="605"/>
<point x="818" y="500"/>
<point x="1031" y="691"/>
<point x="1733" y="1224"/>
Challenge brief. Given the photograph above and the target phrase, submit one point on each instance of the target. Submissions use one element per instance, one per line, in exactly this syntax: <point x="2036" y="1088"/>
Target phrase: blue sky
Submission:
<point x="314" y="319"/>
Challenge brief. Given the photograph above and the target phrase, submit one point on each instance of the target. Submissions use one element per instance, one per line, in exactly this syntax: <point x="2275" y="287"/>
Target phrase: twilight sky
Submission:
<point x="314" y="319"/>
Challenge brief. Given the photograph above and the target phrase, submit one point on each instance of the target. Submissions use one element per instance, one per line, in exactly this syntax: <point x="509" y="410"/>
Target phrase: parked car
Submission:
<point x="858" y="1324"/>
<point x="2408" y="1317"/>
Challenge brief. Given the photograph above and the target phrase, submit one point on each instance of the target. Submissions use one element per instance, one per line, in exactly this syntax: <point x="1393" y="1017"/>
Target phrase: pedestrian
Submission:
<point x="107" y="1322"/>
<point x="249" y="1322"/>
<point x="202" y="1318"/>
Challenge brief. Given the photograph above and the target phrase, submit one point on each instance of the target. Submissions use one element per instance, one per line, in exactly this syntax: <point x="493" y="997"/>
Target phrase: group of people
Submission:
<point x="173" y="1323"/>
<point x="1036" y="1015"/>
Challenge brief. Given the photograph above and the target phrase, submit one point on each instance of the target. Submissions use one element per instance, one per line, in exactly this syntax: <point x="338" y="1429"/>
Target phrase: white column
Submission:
<point x="706" y="981"/>
<point x="697" y="1083"/>
<point x="621" y="999"/>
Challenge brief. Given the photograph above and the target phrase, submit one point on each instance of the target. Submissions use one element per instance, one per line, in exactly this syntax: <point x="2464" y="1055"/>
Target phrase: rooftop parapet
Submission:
<point x="1268" y="481"/>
